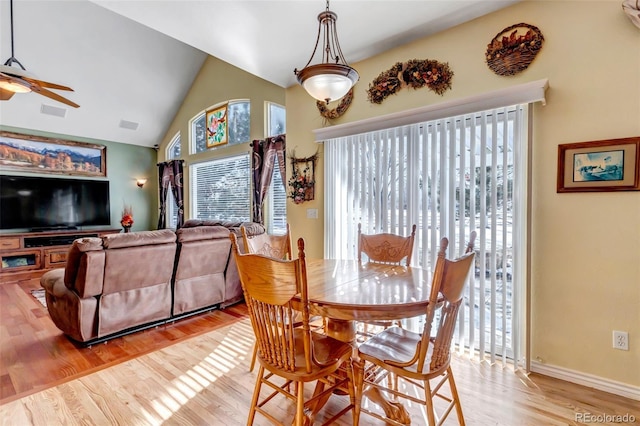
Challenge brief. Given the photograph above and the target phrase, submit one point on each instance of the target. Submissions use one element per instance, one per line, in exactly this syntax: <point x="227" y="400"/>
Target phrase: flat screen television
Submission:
<point x="49" y="203"/>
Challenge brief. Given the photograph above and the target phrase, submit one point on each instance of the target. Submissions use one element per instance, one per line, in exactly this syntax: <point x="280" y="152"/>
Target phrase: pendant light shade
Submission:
<point x="333" y="77"/>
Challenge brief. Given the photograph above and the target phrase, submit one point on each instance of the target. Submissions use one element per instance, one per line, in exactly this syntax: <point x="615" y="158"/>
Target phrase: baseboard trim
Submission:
<point x="589" y="380"/>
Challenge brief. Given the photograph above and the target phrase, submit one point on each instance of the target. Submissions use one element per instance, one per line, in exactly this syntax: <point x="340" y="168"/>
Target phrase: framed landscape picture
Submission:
<point x="46" y="155"/>
<point x="606" y="165"/>
<point x="217" y="126"/>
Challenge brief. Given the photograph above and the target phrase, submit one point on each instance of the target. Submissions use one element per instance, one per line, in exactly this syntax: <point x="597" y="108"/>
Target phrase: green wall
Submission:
<point x="125" y="163"/>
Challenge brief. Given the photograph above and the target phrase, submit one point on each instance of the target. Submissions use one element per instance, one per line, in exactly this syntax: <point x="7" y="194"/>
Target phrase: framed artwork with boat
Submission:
<point x="599" y="166"/>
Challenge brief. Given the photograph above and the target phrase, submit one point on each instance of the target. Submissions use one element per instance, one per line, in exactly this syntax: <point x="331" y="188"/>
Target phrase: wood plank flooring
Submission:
<point x="34" y="354"/>
<point x="169" y="376"/>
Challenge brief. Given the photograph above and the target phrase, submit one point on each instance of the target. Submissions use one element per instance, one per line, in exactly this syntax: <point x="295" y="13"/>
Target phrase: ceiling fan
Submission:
<point x="16" y="80"/>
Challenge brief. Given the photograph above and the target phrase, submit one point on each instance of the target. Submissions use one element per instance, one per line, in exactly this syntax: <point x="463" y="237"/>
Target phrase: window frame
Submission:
<point x="193" y="199"/>
<point x="271" y="217"/>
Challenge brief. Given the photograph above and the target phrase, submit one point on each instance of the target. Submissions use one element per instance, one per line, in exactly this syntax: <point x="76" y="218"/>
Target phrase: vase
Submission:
<point x="127" y="229"/>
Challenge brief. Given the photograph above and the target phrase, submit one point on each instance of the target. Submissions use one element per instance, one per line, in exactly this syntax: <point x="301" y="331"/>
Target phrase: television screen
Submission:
<point x="47" y="203"/>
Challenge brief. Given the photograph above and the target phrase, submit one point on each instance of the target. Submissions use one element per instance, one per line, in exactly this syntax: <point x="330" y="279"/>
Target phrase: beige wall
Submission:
<point x="218" y="82"/>
<point x="585" y="246"/>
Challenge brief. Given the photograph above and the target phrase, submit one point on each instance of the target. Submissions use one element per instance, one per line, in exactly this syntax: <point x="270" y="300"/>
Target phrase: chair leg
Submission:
<point x="299" y="420"/>
<point x="353" y="397"/>
<point x="428" y="399"/>
<point x="357" y="368"/>
<point x="256" y="395"/>
<point x="454" y="395"/>
<point x="253" y="357"/>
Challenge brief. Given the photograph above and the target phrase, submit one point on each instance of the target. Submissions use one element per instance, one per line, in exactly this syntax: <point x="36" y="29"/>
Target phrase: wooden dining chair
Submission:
<point x="293" y="354"/>
<point x="419" y="358"/>
<point x="277" y="246"/>
<point x="384" y="248"/>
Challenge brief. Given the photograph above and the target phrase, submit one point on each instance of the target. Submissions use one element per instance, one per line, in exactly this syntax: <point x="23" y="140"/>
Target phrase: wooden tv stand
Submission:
<point x="29" y="254"/>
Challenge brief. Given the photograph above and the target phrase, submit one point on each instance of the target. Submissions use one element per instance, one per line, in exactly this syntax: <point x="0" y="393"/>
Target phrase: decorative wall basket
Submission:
<point x="302" y="182"/>
<point x="632" y="9"/>
<point x="415" y="73"/>
<point x="514" y="48"/>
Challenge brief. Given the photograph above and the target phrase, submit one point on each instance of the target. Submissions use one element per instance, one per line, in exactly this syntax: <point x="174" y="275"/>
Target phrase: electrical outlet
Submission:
<point x="621" y="340"/>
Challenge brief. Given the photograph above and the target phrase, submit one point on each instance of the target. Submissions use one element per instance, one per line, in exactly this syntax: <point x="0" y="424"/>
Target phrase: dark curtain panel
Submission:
<point x="266" y="153"/>
<point x="170" y="176"/>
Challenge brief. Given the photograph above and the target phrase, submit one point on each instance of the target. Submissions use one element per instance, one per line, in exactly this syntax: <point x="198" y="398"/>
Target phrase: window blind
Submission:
<point x="277" y="216"/>
<point x="220" y="189"/>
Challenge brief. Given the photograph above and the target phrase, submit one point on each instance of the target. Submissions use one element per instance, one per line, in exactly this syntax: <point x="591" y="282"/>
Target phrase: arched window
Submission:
<point x="238" y="123"/>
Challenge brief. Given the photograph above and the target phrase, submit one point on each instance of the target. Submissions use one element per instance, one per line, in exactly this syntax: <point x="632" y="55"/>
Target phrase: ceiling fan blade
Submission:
<point x="5" y="95"/>
<point x="12" y="79"/>
<point x="47" y="84"/>
<point x="54" y="96"/>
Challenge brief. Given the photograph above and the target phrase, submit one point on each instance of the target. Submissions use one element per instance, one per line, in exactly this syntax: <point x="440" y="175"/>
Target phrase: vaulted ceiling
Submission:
<point x="135" y="60"/>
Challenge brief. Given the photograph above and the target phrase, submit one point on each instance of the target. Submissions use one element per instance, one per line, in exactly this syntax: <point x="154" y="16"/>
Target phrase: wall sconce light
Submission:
<point x="140" y="182"/>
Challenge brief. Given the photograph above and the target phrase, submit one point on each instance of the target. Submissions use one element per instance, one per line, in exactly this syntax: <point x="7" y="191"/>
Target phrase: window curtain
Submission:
<point x="265" y="155"/>
<point x="170" y="175"/>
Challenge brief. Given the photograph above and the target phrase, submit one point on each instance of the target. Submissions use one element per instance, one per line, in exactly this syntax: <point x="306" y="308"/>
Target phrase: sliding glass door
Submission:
<point x="449" y="177"/>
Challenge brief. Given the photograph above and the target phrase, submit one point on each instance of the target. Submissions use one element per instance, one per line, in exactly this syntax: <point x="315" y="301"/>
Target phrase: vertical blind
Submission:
<point x="449" y="177"/>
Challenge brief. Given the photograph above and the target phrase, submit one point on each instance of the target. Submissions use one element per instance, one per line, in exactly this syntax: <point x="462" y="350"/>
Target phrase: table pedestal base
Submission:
<point x="343" y="330"/>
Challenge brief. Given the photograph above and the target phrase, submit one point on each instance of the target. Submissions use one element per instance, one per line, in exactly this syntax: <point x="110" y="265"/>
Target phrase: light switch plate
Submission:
<point x="312" y="213"/>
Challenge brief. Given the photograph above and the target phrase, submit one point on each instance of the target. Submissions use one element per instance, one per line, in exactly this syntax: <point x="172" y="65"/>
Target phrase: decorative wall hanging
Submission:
<point x="513" y="49"/>
<point x="415" y="73"/>
<point x="302" y="181"/>
<point x="217" y="126"/>
<point x="632" y="9"/>
<point x="608" y="165"/>
<point x="330" y="114"/>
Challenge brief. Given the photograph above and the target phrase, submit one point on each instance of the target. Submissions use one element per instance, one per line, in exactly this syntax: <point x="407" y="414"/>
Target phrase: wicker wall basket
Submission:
<point x="514" y="48"/>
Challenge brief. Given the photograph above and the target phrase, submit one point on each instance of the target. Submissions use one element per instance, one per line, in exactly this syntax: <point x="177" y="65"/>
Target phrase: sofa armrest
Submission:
<point x="79" y="246"/>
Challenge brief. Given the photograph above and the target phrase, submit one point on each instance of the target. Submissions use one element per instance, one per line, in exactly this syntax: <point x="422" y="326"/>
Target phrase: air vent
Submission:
<point x="130" y="125"/>
<point x="52" y="110"/>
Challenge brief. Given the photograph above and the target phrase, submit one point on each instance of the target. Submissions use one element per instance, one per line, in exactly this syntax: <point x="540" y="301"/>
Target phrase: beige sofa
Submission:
<point x="122" y="283"/>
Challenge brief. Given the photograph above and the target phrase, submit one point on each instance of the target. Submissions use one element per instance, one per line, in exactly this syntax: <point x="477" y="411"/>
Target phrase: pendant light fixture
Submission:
<point x="333" y="77"/>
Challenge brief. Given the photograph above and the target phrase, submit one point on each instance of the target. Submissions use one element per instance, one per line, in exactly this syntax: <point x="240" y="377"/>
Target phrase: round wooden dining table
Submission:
<point x="344" y="291"/>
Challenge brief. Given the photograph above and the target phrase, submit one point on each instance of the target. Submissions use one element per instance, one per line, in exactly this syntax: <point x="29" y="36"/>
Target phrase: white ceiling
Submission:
<point x="135" y="60"/>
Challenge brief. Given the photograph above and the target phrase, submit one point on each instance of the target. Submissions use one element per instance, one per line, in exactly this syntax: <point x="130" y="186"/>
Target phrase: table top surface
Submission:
<point x="344" y="289"/>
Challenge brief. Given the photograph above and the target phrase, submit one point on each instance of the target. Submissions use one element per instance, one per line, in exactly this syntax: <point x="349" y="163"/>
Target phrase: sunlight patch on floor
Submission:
<point x="230" y="352"/>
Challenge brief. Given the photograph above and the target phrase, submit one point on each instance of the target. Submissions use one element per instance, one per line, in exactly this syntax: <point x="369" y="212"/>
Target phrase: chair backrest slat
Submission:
<point x="385" y="247"/>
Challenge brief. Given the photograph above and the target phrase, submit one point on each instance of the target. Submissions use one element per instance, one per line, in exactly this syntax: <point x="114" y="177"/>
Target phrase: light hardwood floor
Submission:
<point x="204" y="380"/>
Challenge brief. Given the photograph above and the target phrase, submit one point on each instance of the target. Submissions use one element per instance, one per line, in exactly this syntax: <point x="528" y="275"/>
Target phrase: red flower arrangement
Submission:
<point x="127" y="217"/>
